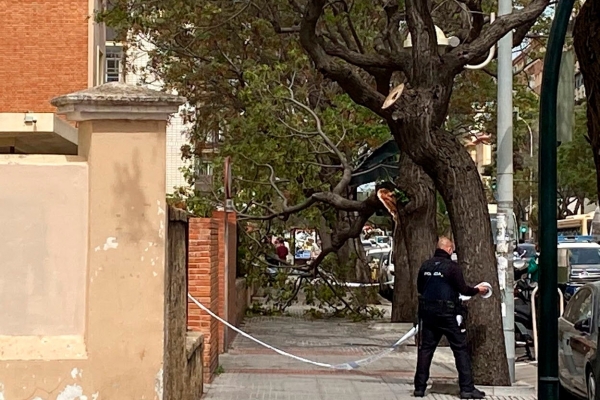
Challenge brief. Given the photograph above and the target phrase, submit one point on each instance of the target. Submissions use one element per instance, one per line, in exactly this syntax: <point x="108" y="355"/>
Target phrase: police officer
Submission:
<point x="439" y="284"/>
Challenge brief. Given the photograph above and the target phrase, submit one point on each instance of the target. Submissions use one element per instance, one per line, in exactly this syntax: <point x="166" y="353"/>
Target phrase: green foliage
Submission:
<point x="576" y="169"/>
<point x="237" y="74"/>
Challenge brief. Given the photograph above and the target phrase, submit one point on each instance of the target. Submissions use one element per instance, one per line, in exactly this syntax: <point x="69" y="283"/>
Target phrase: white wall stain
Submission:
<point x="95" y="396"/>
<point x="1" y="391"/>
<point x="71" y="392"/>
<point x="111" y="243"/>
<point x="97" y="248"/>
<point x="161" y="211"/>
<point x="154" y="273"/>
<point x="158" y="384"/>
<point x="76" y="373"/>
<point x="37" y="398"/>
<point x="161" y="230"/>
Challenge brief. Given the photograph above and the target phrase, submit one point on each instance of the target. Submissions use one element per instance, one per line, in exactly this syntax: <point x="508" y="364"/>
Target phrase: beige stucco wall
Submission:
<point x="43" y="245"/>
<point x="120" y="353"/>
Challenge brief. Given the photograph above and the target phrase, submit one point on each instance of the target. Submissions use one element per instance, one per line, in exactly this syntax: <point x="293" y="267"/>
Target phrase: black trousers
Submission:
<point x="431" y="331"/>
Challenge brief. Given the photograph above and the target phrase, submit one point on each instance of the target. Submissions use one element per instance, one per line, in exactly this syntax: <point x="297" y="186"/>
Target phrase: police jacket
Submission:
<point x="441" y="280"/>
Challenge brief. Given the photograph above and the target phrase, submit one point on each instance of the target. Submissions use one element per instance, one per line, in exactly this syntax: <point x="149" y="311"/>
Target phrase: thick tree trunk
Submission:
<point x="459" y="183"/>
<point x="414" y="237"/>
<point x="587" y="46"/>
<point x="445" y="160"/>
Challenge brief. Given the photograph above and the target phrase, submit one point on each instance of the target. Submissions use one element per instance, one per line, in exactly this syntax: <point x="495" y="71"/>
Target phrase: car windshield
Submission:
<point x="583" y="256"/>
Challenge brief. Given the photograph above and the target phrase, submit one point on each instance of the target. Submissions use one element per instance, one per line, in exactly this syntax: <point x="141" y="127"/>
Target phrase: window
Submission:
<point x="580" y="306"/>
<point x="114" y="58"/>
<point x="583" y="256"/>
<point x="203" y="167"/>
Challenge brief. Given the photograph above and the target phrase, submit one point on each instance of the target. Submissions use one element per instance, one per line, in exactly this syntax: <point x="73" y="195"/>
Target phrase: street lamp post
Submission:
<point x="530" y="204"/>
<point x="505" y="175"/>
<point x="548" y="333"/>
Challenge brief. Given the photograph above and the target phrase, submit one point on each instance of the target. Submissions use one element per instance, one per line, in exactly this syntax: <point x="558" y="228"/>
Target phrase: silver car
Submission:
<point x="578" y="337"/>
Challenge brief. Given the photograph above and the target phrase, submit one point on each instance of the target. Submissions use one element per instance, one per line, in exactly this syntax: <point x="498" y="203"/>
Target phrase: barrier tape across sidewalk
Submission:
<point x="345" y="366"/>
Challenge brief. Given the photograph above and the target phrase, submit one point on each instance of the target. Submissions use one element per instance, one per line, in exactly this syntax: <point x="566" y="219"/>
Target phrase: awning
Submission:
<point x="380" y="164"/>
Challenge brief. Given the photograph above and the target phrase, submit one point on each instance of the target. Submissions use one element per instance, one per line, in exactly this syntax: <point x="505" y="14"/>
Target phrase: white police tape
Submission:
<point x="345" y="366"/>
<point x="356" y="284"/>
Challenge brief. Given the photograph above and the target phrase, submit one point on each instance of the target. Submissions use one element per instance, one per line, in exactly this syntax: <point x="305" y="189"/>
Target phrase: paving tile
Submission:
<point x="255" y="373"/>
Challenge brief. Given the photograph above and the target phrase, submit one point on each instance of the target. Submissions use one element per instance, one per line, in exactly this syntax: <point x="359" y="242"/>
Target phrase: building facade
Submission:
<point x="128" y="66"/>
<point x="48" y="48"/>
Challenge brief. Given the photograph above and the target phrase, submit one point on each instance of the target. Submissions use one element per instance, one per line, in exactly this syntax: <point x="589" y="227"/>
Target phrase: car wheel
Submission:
<point x="591" y="386"/>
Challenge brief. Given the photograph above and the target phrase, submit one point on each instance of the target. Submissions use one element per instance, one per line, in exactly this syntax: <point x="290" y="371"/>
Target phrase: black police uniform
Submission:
<point x="439" y="284"/>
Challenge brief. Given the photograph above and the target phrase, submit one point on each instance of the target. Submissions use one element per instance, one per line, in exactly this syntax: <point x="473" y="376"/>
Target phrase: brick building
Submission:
<point x="48" y="48"/>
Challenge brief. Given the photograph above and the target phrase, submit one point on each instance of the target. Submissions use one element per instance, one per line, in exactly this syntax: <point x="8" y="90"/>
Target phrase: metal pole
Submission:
<point x="530" y="235"/>
<point x="505" y="183"/>
<point x="548" y="283"/>
<point x="530" y="182"/>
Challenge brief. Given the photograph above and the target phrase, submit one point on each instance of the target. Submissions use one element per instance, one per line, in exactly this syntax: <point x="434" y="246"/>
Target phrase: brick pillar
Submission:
<point x="227" y="307"/>
<point x="203" y="284"/>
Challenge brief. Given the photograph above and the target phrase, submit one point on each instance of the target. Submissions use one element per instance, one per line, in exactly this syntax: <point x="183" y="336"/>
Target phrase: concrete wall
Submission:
<point x="97" y="224"/>
<point x="137" y="60"/>
<point x="43" y="243"/>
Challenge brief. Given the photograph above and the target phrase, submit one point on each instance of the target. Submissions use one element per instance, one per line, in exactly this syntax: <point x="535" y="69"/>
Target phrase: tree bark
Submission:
<point x="444" y="159"/>
<point x="587" y="47"/>
<point x="460" y="185"/>
<point x="414" y="237"/>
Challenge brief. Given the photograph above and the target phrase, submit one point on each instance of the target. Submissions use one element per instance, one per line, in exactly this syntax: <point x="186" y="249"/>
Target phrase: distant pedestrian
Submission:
<point x="439" y="283"/>
<point x="281" y="250"/>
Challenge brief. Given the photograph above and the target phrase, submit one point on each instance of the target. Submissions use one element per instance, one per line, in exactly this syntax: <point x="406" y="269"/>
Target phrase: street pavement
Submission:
<point x="252" y="372"/>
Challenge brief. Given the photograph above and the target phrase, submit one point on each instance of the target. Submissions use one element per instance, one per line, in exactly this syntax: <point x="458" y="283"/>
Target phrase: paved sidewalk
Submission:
<point x="252" y="372"/>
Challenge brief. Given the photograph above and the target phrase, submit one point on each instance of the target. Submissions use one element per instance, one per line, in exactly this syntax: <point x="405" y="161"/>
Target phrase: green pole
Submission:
<point x="548" y="332"/>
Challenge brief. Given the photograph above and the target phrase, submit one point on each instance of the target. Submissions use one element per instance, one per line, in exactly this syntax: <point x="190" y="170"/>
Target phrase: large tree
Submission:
<point x="587" y="46"/>
<point x="360" y="47"/>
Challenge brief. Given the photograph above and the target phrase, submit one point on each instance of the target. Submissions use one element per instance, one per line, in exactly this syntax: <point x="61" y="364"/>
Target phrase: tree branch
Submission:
<point x="467" y="52"/>
<point x="347" y="174"/>
<point x="424" y="42"/>
<point x="359" y="90"/>
<point x="367" y="206"/>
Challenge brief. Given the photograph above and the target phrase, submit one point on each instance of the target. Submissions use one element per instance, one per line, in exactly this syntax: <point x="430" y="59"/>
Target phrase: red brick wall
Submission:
<point x="203" y="284"/>
<point x="207" y="281"/>
<point x="231" y="242"/>
<point x="44" y="52"/>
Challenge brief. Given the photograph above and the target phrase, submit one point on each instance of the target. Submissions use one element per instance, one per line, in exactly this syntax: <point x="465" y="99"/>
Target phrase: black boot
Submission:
<point x="474" y="394"/>
<point x="419" y="393"/>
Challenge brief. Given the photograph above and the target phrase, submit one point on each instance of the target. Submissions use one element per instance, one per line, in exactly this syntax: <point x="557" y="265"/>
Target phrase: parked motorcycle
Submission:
<point x="523" y="318"/>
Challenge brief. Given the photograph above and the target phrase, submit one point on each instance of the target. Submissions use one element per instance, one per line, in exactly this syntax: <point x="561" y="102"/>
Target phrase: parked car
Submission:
<point x="578" y="336"/>
<point x="578" y="264"/>
<point x="382" y="262"/>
